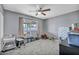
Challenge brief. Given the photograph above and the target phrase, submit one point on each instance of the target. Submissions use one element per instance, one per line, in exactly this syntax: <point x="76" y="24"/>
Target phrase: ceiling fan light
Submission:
<point x="39" y="12"/>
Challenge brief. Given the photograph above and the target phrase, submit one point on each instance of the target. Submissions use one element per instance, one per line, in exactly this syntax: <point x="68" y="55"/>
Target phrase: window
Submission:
<point x="29" y="27"/>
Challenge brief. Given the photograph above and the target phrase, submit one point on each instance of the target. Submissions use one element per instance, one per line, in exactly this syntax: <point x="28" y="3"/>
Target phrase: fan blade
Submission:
<point x="46" y="10"/>
<point x="43" y="14"/>
<point x="32" y="11"/>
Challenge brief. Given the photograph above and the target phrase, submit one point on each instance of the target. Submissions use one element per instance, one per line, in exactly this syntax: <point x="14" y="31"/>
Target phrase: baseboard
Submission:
<point x="7" y="50"/>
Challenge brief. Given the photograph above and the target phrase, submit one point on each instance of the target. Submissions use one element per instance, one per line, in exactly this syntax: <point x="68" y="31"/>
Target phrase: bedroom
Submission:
<point x="36" y="28"/>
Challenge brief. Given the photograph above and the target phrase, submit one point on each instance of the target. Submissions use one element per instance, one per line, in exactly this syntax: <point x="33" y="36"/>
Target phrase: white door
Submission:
<point x="1" y="28"/>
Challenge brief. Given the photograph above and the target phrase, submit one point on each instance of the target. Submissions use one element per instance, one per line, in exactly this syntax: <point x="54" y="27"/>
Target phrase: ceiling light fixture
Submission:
<point x="39" y="12"/>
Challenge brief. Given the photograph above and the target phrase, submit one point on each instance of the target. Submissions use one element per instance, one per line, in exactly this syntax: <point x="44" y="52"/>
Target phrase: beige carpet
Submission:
<point x="39" y="47"/>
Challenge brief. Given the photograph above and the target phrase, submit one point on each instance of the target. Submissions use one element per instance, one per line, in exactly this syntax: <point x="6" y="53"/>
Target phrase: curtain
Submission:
<point x="21" y="30"/>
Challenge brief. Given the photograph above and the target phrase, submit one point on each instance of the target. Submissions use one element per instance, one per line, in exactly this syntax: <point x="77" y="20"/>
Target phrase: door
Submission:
<point x="1" y="28"/>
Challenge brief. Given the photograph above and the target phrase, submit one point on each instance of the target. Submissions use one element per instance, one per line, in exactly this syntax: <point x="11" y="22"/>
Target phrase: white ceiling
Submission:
<point x="56" y="9"/>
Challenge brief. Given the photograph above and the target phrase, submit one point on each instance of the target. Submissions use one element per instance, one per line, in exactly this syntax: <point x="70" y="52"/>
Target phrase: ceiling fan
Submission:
<point x="40" y="10"/>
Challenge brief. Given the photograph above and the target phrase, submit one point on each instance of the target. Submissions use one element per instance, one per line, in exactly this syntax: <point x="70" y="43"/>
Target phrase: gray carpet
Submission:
<point x="39" y="47"/>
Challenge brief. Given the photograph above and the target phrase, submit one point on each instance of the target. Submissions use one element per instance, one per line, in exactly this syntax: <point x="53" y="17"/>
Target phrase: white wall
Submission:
<point x="11" y="22"/>
<point x="1" y="25"/>
<point x="64" y="20"/>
